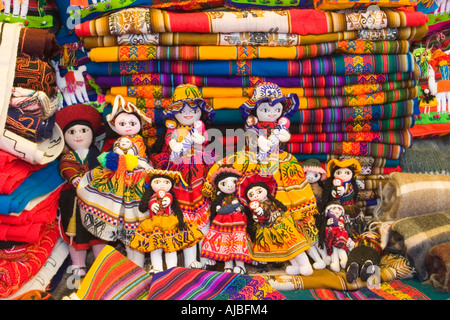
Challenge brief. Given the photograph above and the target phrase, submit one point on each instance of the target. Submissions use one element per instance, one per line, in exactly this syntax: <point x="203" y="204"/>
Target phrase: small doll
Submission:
<point x="165" y="230"/>
<point x="336" y="238"/>
<point x="109" y="195"/>
<point x="315" y="175"/>
<point x="226" y="237"/>
<point x="79" y="124"/>
<point x="275" y="237"/>
<point x="180" y="148"/>
<point x="341" y="184"/>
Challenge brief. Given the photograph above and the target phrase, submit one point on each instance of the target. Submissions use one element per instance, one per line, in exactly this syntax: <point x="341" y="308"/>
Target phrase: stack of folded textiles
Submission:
<point x="352" y="69"/>
<point x="30" y="182"/>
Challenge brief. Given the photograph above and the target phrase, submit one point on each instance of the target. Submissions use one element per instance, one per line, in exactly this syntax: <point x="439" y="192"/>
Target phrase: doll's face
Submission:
<point x="312" y="177"/>
<point x="345" y="174"/>
<point x="227" y="185"/>
<point x="268" y="113"/>
<point x="335" y="211"/>
<point x="161" y="184"/>
<point x="188" y="115"/>
<point x="257" y="194"/>
<point x="78" y="137"/>
<point x="127" y="124"/>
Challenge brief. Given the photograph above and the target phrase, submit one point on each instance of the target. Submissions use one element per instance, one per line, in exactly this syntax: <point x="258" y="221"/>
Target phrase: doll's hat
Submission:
<point x="174" y="175"/>
<point x="271" y="93"/>
<point x="76" y="112"/>
<point x="249" y="179"/>
<point x="352" y="162"/>
<point x="314" y="166"/>
<point x="188" y="94"/>
<point x="120" y="105"/>
<point x="224" y="169"/>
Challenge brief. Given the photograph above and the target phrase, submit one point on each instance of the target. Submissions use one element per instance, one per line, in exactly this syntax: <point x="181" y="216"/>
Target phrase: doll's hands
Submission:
<point x="340" y="190"/>
<point x="76" y="181"/>
<point x="263" y="143"/>
<point x="350" y="244"/>
<point x="165" y="202"/>
<point x="155" y="207"/>
<point x="198" y="138"/>
<point x="284" y="136"/>
<point x="176" y="146"/>
<point x="329" y="221"/>
<point x="259" y="211"/>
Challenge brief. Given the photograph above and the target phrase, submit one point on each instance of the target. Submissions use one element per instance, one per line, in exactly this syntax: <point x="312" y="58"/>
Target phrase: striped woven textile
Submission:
<point x="173" y="80"/>
<point x="297" y="21"/>
<point x="113" y="276"/>
<point x="195" y="284"/>
<point x="159" y="92"/>
<point x="148" y="52"/>
<point x="251" y="38"/>
<point x="335" y="64"/>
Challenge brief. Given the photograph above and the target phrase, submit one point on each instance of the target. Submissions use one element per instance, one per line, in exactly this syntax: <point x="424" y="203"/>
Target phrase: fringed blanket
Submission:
<point x="438" y="266"/>
<point x="336" y="64"/>
<point x="329" y="81"/>
<point x="251" y="38"/>
<point x="298" y="21"/>
<point x="148" y="52"/>
<point x="193" y="284"/>
<point x="409" y="194"/>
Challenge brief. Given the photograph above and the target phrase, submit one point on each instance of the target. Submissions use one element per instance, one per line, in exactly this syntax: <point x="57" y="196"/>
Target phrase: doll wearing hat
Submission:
<point x="79" y="124"/>
<point x="226" y="237"/>
<point x="110" y="193"/>
<point x="273" y="235"/>
<point x="165" y="230"/>
<point x="180" y="148"/>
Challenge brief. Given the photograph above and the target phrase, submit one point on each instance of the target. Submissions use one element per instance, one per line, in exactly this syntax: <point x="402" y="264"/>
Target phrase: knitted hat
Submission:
<point x="271" y="93"/>
<point x="174" y="175"/>
<point x="313" y="165"/>
<point x="78" y="112"/>
<point x="352" y="162"/>
<point x="224" y="169"/>
<point x="255" y="178"/>
<point x="188" y="94"/>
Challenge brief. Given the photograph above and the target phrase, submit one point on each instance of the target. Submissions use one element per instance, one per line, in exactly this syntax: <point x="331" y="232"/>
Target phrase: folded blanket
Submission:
<point x="437" y="264"/>
<point x="335" y="64"/>
<point x="173" y="80"/>
<point x="414" y="236"/>
<point x="373" y="149"/>
<point x="347" y="4"/>
<point x="408" y="195"/>
<point x="298" y="21"/>
<point x="158" y="91"/>
<point x="16" y="273"/>
<point x="34" y="103"/>
<point x="197" y="284"/>
<point x="30" y="127"/>
<point x="148" y="52"/>
<point x="251" y="38"/>
<point x="113" y="276"/>
<point x="39" y="42"/>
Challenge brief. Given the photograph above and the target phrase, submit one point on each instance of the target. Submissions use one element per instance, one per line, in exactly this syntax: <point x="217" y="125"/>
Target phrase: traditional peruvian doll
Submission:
<point x="165" y="231"/>
<point x="110" y="193"/>
<point x="226" y="238"/>
<point x="180" y="148"/>
<point x="79" y="123"/>
<point x="273" y="235"/>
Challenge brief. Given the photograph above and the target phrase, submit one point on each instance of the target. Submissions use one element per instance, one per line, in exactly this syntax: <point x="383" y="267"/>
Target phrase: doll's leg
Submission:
<point x="171" y="259"/>
<point x="335" y="260"/>
<point x="136" y="256"/>
<point x="240" y="267"/>
<point x="96" y="248"/>
<point x="190" y="258"/>
<point x="342" y="257"/>
<point x="157" y="260"/>
<point x="78" y="258"/>
<point x="300" y="265"/>
<point x="314" y="254"/>
<point x="228" y="266"/>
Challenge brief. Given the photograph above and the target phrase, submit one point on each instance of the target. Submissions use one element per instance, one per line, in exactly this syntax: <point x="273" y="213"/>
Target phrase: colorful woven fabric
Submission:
<point x="173" y="80"/>
<point x="299" y="21"/>
<point x="158" y="91"/>
<point x="113" y="276"/>
<point x="346" y="4"/>
<point x="197" y="284"/>
<point x="150" y="52"/>
<point x="251" y="38"/>
<point x="336" y="64"/>
<point x="373" y="149"/>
